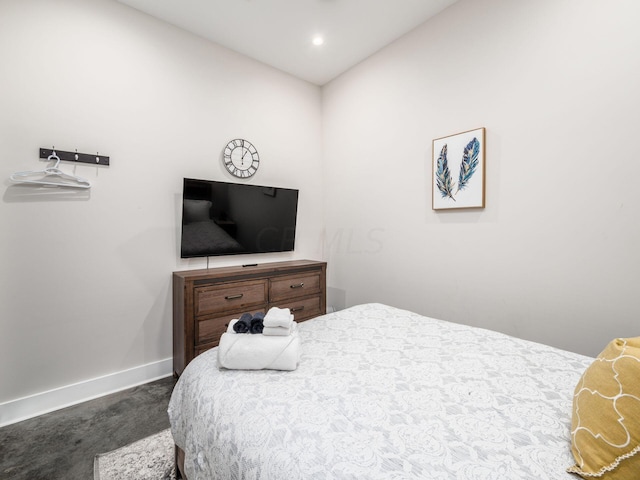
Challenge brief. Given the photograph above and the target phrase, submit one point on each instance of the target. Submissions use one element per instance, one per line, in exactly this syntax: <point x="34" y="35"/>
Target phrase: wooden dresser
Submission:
<point x="204" y="301"/>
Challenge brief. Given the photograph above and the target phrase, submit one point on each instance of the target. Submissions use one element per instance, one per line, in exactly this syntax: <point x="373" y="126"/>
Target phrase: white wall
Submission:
<point x="85" y="284"/>
<point x="554" y="255"/>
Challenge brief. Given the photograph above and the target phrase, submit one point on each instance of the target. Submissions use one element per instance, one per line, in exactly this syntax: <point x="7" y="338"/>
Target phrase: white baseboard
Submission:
<point x="20" y="409"/>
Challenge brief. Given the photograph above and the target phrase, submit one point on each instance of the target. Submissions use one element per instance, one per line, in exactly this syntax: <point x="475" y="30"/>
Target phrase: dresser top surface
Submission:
<point x="249" y="270"/>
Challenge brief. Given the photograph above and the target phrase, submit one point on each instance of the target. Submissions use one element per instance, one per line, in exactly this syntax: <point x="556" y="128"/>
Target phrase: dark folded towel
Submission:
<point x="259" y="315"/>
<point x="256" y="325"/>
<point x="243" y="324"/>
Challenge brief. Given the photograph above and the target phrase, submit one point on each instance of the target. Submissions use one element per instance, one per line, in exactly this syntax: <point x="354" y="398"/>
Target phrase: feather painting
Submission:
<point x="443" y="175"/>
<point x="469" y="163"/>
<point x="458" y="171"/>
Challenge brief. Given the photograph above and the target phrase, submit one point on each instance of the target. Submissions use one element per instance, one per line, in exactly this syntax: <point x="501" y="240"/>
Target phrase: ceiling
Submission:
<point x="280" y="32"/>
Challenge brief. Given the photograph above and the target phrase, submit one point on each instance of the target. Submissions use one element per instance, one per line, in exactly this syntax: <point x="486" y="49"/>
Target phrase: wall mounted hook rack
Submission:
<point x="76" y="157"/>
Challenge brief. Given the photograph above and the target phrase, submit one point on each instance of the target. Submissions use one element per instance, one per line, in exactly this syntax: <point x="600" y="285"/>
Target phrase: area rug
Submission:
<point x="151" y="458"/>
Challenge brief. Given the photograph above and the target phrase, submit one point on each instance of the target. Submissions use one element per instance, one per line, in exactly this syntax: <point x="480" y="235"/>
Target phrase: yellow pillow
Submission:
<point x="605" y="425"/>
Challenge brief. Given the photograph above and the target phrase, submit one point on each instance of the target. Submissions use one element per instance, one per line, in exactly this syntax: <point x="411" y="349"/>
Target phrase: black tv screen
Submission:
<point x="220" y="218"/>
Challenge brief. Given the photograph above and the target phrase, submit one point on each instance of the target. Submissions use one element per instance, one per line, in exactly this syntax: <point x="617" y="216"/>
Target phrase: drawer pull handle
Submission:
<point x="233" y="297"/>
<point x="297" y="309"/>
<point x="299" y="285"/>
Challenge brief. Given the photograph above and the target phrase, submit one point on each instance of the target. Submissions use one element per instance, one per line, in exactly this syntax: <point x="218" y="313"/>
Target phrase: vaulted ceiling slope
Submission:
<point x="280" y="33"/>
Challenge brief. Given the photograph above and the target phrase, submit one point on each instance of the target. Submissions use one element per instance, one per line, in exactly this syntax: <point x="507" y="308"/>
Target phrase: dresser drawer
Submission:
<point x="211" y="329"/>
<point x="231" y="296"/>
<point x="303" y="308"/>
<point x="293" y="286"/>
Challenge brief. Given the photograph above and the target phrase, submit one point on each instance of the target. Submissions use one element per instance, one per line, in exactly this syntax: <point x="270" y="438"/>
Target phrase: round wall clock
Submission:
<point x="241" y="158"/>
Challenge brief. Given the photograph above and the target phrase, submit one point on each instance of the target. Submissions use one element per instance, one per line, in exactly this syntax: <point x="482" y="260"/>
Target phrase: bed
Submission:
<point x="383" y="393"/>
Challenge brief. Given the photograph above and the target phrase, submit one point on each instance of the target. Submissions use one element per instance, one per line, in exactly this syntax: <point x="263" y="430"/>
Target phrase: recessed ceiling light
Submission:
<point x="318" y="40"/>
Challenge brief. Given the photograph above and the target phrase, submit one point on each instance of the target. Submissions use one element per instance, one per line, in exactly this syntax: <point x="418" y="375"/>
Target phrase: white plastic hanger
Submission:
<point x="51" y="176"/>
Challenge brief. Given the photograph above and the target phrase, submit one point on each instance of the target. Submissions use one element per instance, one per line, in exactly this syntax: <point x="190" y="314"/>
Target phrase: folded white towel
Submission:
<point x="259" y="352"/>
<point x="278" y="317"/>
<point x="280" y="331"/>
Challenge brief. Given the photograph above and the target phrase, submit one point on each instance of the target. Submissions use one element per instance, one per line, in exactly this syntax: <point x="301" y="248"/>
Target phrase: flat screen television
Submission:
<point x="221" y="218"/>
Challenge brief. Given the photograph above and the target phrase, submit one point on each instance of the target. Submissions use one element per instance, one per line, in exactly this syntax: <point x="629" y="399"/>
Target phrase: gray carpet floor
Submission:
<point x="62" y="444"/>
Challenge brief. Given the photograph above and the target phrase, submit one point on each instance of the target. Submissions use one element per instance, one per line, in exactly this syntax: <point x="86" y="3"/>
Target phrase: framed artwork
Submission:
<point x="458" y="165"/>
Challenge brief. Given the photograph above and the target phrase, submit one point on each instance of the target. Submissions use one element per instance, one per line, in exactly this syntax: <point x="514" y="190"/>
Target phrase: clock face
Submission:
<point x="241" y="158"/>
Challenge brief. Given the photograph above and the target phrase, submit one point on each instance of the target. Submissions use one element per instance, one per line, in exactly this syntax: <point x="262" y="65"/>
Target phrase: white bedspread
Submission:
<point x="382" y="393"/>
